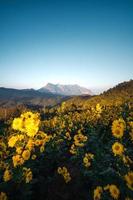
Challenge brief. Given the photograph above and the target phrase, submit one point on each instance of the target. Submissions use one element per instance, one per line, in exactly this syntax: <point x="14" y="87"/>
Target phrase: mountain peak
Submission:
<point x="66" y="90"/>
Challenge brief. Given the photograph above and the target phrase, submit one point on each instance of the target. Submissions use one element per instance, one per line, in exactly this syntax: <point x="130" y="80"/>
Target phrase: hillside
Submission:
<point x="11" y="97"/>
<point x="13" y="100"/>
<point x="117" y="95"/>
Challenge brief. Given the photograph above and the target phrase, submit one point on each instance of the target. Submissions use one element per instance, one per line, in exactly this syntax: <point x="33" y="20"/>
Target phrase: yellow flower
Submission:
<point x="12" y="141"/>
<point x="129" y="179"/>
<point x="98" y="192"/>
<point x="68" y="136"/>
<point x="98" y="108"/>
<point x="114" y="191"/>
<point x="26" y="154"/>
<point x="59" y="170"/>
<point x="28" y="122"/>
<point x="118" y="128"/>
<point x="127" y="160"/>
<point x="33" y="157"/>
<point x="42" y="149"/>
<point x="7" y="175"/>
<point x="3" y="196"/>
<point x="73" y="149"/>
<point x="131" y="124"/>
<point x="79" y="140"/>
<point x="17" y="124"/>
<point x="64" y="172"/>
<point x="117" y="148"/>
<point x="38" y="142"/>
<point x="20" y="137"/>
<point x="27" y="115"/>
<point x="19" y="150"/>
<point x="30" y="144"/>
<point x="31" y="129"/>
<point x="27" y="174"/>
<point x="87" y="159"/>
<point x="17" y="160"/>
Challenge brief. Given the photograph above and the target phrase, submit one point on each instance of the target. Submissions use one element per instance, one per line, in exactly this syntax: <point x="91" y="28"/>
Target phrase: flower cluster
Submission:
<point x="87" y="159"/>
<point x="78" y="136"/>
<point x="28" y="123"/>
<point x="118" y="128"/>
<point x="112" y="189"/>
<point x="64" y="172"/>
<point x="27" y="174"/>
<point x="79" y="141"/>
<point x="29" y="138"/>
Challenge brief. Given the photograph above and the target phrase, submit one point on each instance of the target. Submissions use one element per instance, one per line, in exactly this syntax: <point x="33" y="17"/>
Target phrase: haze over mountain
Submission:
<point x="66" y="90"/>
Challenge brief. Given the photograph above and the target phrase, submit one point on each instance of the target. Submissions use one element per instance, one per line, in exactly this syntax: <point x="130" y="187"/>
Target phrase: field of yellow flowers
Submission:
<point x="68" y="152"/>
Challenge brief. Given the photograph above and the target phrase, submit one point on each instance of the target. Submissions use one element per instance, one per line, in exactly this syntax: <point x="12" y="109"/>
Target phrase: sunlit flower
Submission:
<point x="26" y="154"/>
<point x="87" y="159"/>
<point x="117" y="148"/>
<point x="17" y="124"/>
<point x="129" y="179"/>
<point x="33" y="157"/>
<point x="19" y="150"/>
<point x="73" y="149"/>
<point x="79" y="139"/>
<point x="118" y="128"/>
<point x="98" y="192"/>
<point x="12" y="141"/>
<point x="7" y="175"/>
<point x="3" y="196"/>
<point x="17" y="160"/>
<point x="114" y="191"/>
<point x="28" y="123"/>
<point x="27" y="173"/>
<point x="64" y="172"/>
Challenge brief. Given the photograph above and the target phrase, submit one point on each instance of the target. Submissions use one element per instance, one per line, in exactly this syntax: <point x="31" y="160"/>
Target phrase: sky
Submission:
<point x="85" y="42"/>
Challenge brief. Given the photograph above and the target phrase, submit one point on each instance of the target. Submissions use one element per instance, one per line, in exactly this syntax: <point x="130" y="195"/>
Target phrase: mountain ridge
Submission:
<point x="67" y="90"/>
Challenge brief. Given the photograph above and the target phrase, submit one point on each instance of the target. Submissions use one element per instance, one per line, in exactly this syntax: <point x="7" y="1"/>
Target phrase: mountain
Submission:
<point x="66" y="90"/>
<point x="12" y="97"/>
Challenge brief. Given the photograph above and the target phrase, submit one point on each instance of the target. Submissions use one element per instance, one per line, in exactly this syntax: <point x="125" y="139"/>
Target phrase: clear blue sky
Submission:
<point x="87" y="42"/>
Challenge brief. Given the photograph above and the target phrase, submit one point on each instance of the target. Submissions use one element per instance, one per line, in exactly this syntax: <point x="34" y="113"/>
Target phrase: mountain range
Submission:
<point x="48" y="95"/>
<point x="66" y="90"/>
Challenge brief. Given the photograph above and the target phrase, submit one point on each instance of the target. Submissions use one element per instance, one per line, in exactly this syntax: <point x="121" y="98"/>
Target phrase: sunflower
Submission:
<point x="117" y="148"/>
<point x="26" y="154"/>
<point x="3" y="196"/>
<point x="114" y="191"/>
<point x="98" y="192"/>
<point x="129" y="179"/>
<point x="118" y="128"/>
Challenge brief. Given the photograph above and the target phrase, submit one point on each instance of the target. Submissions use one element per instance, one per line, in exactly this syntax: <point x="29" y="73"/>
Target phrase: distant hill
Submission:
<point x="67" y="90"/>
<point x="12" y="97"/>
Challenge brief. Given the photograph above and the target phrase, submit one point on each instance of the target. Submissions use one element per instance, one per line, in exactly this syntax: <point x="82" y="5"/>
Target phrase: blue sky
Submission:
<point x="85" y="42"/>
